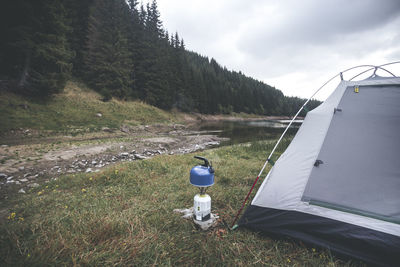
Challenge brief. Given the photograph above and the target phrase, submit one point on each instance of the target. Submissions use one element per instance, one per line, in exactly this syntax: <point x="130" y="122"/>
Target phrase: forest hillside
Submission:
<point x="120" y="49"/>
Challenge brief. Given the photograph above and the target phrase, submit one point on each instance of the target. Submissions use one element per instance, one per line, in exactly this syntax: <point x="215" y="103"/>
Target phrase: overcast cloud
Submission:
<point x="290" y="44"/>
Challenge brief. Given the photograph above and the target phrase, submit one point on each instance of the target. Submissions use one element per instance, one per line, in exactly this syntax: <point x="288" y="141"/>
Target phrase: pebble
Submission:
<point x="138" y="156"/>
<point x="21" y="168"/>
<point x="33" y="185"/>
<point x="23" y="180"/>
<point x="89" y="170"/>
<point x="124" y="154"/>
<point x="21" y="191"/>
<point x="3" y="175"/>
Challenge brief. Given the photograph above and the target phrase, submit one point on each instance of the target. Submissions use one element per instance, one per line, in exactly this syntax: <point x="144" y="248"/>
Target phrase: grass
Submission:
<point x="75" y="110"/>
<point x="123" y="216"/>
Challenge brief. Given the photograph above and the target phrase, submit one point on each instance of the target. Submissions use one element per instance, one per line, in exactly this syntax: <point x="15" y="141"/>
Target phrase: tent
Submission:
<point x="337" y="185"/>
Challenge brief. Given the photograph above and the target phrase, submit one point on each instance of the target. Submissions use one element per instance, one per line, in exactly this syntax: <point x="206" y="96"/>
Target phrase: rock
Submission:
<point x="121" y="147"/>
<point x="187" y="213"/>
<point x="212" y="143"/>
<point x="10" y="182"/>
<point x="138" y="156"/>
<point x="17" y="182"/>
<point x="21" y="168"/>
<point x="4" y="146"/>
<point x="3" y="175"/>
<point x="12" y="170"/>
<point x="133" y="151"/>
<point x="33" y="185"/>
<point x="89" y="170"/>
<point x="213" y="221"/>
<point x="99" y="115"/>
<point x="94" y="162"/>
<point x="81" y="164"/>
<point x="106" y="129"/>
<point x="27" y="174"/>
<point x="124" y="154"/>
<point x="125" y="129"/>
<point x="21" y="191"/>
<point x="23" y="180"/>
<point x="10" y="178"/>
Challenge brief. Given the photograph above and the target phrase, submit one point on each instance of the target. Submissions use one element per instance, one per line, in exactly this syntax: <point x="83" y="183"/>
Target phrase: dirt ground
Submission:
<point x="29" y="158"/>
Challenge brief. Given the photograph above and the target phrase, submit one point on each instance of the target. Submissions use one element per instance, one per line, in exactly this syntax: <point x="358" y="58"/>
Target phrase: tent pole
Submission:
<point x="234" y="226"/>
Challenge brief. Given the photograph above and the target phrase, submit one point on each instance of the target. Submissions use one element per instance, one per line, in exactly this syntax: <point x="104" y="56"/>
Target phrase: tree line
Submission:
<point x="120" y="49"/>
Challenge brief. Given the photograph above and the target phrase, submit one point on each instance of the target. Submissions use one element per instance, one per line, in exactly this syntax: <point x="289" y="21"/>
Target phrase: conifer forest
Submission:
<point x="121" y="49"/>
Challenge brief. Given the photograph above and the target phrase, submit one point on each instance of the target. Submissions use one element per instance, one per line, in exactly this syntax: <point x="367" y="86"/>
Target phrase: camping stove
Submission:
<point x="202" y="176"/>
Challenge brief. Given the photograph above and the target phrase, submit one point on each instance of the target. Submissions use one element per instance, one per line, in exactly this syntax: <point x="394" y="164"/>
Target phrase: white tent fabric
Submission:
<point x="284" y="186"/>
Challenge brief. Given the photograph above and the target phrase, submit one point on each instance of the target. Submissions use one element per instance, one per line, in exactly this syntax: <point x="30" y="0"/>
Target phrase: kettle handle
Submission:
<point x="206" y="163"/>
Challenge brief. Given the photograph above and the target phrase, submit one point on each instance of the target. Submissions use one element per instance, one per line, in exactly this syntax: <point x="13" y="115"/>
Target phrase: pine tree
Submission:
<point x="78" y="18"/>
<point x="122" y="50"/>
<point x="35" y="51"/>
<point x="108" y="59"/>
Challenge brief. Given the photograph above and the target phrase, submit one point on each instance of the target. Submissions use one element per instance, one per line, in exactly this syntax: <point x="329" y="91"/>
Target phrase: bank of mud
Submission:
<point x="28" y="160"/>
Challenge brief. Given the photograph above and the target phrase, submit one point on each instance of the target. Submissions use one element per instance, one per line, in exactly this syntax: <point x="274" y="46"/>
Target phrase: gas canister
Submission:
<point x="202" y="176"/>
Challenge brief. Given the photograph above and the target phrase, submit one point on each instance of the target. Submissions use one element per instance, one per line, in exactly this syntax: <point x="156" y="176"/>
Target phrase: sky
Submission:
<point x="292" y="45"/>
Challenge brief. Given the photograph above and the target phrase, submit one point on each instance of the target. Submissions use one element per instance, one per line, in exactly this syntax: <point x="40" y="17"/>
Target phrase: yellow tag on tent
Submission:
<point x="356" y="89"/>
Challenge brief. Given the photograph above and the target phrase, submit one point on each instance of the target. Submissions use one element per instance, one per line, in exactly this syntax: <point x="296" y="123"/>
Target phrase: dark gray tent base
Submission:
<point x="371" y="246"/>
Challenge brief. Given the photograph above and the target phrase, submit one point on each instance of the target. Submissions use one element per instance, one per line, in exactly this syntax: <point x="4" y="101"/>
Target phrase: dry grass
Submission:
<point x="75" y="108"/>
<point x="123" y="216"/>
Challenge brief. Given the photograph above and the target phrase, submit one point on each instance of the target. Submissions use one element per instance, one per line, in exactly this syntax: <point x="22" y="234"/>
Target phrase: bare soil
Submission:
<point x="29" y="158"/>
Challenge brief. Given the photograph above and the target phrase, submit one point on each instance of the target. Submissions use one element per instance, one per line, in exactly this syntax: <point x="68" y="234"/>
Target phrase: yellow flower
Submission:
<point x="91" y="179"/>
<point x="12" y="216"/>
<point x="39" y="193"/>
<point x="116" y="171"/>
<point x="21" y="219"/>
<point x="56" y="185"/>
<point x="66" y="207"/>
<point x="29" y="255"/>
<point x="47" y="186"/>
<point x="83" y="190"/>
<point x="313" y="249"/>
<point x="288" y="260"/>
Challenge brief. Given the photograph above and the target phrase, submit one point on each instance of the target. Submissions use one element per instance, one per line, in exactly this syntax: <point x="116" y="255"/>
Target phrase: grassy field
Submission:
<point x="123" y="216"/>
<point x="75" y="108"/>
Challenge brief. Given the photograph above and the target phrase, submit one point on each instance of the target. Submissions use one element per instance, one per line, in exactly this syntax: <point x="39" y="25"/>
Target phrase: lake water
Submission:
<point x="247" y="131"/>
